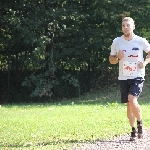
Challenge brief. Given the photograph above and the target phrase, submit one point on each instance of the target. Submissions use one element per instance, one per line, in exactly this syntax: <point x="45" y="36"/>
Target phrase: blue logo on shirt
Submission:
<point x="135" y="48"/>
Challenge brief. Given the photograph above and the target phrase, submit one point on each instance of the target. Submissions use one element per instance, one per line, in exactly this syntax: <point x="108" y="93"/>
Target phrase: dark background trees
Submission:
<point x="52" y="49"/>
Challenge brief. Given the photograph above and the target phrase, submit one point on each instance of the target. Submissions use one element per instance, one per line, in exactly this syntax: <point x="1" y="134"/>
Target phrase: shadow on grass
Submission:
<point x="117" y="142"/>
<point x="59" y="142"/>
<point x="103" y="97"/>
<point x="112" y="95"/>
<point x="71" y="143"/>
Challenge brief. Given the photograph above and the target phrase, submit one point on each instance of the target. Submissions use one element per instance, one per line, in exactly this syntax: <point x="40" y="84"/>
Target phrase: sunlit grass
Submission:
<point x="67" y="123"/>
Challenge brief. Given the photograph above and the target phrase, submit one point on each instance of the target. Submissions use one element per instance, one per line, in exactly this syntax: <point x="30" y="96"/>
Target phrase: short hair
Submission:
<point x="128" y="19"/>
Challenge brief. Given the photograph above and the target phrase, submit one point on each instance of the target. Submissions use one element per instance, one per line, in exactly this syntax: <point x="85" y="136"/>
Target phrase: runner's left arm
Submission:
<point x="147" y="60"/>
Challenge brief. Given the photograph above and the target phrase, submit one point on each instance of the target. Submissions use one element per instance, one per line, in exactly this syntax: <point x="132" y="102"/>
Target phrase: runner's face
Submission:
<point x="127" y="28"/>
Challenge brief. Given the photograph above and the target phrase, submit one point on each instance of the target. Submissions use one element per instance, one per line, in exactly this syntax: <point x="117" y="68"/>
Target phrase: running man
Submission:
<point x="127" y="50"/>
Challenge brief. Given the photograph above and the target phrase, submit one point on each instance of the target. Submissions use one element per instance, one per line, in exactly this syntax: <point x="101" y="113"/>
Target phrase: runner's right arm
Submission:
<point x="113" y="59"/>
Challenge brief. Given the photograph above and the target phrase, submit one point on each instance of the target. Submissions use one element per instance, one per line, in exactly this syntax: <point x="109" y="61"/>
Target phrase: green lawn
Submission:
<point x="97" y="115"/>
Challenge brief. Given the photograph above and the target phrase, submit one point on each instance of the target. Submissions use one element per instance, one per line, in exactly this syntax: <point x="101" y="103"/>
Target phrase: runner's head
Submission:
<point x="128" y="26"/>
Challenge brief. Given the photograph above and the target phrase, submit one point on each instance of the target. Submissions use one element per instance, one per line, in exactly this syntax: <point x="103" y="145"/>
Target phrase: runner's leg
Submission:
<point x="131" y="118"/>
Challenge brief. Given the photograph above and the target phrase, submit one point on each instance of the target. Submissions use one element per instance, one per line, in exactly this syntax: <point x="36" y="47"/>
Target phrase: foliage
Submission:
<point x="53" y="38"/>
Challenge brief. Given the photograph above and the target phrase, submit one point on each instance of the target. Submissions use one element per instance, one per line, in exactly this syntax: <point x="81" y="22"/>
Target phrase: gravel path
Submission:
<point x="119" y="143"/>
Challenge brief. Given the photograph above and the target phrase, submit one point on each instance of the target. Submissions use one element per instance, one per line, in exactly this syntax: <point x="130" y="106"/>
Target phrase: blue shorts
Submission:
<point x="130" y="86"/>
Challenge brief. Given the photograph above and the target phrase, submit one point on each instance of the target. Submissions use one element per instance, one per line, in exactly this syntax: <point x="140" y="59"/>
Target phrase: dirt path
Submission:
<point x="119" y="143"/>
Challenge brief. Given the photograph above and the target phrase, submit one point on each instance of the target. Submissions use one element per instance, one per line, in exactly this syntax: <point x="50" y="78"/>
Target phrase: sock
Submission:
<point x="133" y="129"/>
<point x="139" y="122"/>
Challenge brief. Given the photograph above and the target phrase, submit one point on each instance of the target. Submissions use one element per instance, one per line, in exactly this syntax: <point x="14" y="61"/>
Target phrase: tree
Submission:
<point x="59" y="41"/>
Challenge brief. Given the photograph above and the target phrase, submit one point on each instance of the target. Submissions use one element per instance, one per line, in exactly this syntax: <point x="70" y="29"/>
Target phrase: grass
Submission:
<point x="96" y="115"/>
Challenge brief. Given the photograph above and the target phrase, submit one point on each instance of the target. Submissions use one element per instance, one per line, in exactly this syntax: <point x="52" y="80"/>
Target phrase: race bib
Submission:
<point x="129" y="68"/>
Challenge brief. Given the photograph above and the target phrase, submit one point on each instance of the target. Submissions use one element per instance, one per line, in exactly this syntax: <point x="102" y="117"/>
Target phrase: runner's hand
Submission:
<point x="141" y="65"/>
<point x="120" y="54"/>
